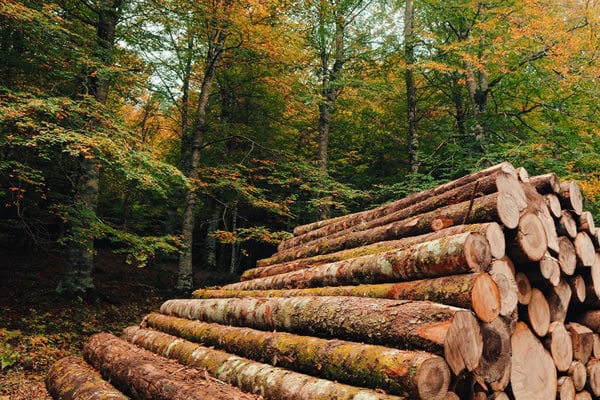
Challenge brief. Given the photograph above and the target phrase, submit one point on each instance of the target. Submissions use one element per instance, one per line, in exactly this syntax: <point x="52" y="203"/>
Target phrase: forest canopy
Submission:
<point x="204" y="131"/>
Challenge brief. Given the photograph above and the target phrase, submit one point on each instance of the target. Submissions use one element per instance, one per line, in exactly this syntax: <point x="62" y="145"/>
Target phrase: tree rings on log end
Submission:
<point x="531" y="237"/>
<point x="495" y="237"/>
<point x="508" y="210"/>
<point x="463" y="345"/>
<point x="477" y="252"/>
<point x="533" y="374"/>
<point x="433" y="379"/>
<point x="485" y="298"/>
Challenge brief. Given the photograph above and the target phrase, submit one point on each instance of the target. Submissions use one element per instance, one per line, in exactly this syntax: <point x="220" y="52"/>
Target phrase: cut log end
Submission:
<point x="523" y="288"/>
<point x="538" y="312"/>
<point x="485" y="298"/>
<point x="503" y="275"/>
<point x="533" y="374"/>
<point x="495" y="237"/>
<point x="560" y="345"/>
<point x="433" y="379"/>
<point x="477" y="252"/>
<point x="566" y="389"/>
<point x="571" y="197"/>
<point x="463" y="345"/>
<point x="584" y="249"/>
<point x="508" y="211"/>
<point x="531" y="237"/>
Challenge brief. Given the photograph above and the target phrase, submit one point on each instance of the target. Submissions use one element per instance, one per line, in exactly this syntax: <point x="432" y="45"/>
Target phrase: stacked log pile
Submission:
<point x="487" y="287"/>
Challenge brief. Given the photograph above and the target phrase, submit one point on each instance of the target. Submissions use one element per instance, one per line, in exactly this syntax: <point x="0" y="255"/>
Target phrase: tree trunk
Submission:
<point x="250" y="376"/>
<point x="337" y="360"/>
<point x="395" y="323"/>
<point x="533" y="374"/>
<point x="76" y="280"/>
<point x="477" y="292"/>
<point x="144" y="375"/>
<point x="71" y="378"/>
<point x="185" y="270"/>
<point x="464" y="253"/>
<point x="411" y="89"/>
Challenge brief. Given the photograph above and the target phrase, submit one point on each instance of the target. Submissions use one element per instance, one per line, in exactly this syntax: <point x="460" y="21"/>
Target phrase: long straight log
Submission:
<point x="397" y="323"/>
<point x="499" y="182"/>
<point x="477" y="292"/>
<point x="144" y="375"/>
<point x="533" y="374"/>
<point x="400" y="372"/>
<point x="71" y="378"/>
<point x="497" y="207"/>
<point x="464" y="253"/>
<point x="250" y="376"/>
<point x="504" y="167"/>
<point x="492" y="232"/>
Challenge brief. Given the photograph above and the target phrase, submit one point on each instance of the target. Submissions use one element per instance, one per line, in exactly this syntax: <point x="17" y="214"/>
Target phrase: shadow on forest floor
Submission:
<point x="37" y="328"/>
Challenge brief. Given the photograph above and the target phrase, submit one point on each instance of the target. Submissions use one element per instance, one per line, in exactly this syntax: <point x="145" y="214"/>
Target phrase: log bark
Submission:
<point x="533" y="374"/>
<point x="71" y="378"/>
<point x="271" y="266"/>
<point x="250" y="376"/>
<point x="566" y="388"/>
<point x="406" y="208"/>
<point x="144" y="375"/>
<point x="529" y="243"/>
<point x="409" y="373"/>
<point x="464" y="253"/>
<point x="546" y="183"/>
<point x="570" y="197"/>
<point x="497" y="207"/>
<point x="578" y="374"/>
<point x="593" y="372"/>
<point x="559" y="343"/>
<point x="584" y="249"/>
<point x="503" y="167"/>
<point x="583" y="341"/>
<point x="396" y="323"/>
<point x="477" y="292"/>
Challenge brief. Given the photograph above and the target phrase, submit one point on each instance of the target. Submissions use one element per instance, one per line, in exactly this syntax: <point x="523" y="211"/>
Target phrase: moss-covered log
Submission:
<point x="497" y="207"/>
<point x="407" y="373"/>
<point x="271" y="266"/>
<point x="144" y="375"/>
<point x="403" y="324"/>
<point x="500" y="181"/>
<point x="71" y="378"/>
<point x="464" y="253"/>
<point x="477" y="292"/>
<point x="505" y="167"/>
<point x="251" y="376"/>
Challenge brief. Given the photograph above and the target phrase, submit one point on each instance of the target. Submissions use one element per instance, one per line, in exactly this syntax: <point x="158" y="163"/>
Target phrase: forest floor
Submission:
<point x="37" y="328"/>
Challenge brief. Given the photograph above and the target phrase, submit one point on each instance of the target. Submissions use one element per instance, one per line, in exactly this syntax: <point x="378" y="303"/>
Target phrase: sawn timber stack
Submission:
<point x="486" y="287"/>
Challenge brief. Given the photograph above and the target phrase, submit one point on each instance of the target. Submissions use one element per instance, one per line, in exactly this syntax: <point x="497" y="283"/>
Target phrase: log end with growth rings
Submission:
<point x="477" y="252"/>
<point x="433" y="379"/>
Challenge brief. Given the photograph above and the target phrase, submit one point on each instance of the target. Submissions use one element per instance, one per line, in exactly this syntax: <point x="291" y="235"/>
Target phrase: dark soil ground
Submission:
<point x="37" y="327"/>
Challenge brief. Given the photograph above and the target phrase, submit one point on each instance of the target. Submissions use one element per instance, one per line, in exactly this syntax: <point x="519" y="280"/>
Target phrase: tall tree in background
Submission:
<point x="411" y="89"/>
<point x="77" y="274"/>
